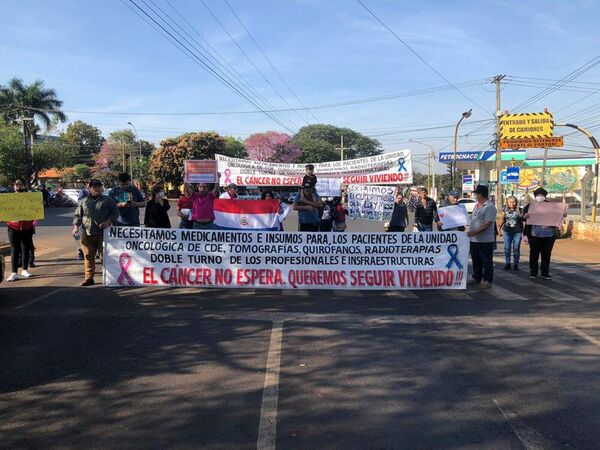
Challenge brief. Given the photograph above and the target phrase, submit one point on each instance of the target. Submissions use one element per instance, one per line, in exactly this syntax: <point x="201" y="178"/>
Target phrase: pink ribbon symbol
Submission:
<point x="227" y="176"/>
<point x="124" y="262"/>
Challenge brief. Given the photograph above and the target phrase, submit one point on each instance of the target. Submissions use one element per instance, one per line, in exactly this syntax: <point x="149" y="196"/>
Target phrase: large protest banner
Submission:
<point x="387" y="168"/>
<point x="371" y="202"/>
<point x="21" y="206"/>
<point x="254" y="259"/>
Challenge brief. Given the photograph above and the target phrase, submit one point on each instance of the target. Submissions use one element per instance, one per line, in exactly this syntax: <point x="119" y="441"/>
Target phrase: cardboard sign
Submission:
<point x="453" y="216"/>
<point x="21" y="206"/>
<point x="200" y="171"/>
<point x="371" y="202"/>
<point x="546" y="213"/>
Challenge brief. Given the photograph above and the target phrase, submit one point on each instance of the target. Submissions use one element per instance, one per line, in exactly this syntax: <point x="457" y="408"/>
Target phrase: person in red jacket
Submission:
<point x="20" y="236"/>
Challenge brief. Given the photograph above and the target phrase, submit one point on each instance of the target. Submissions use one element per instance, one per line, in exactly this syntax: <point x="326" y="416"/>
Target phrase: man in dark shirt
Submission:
<point x="399" y="220"/>
<point x="129" y="199"/>
<point x="425" y="211"/>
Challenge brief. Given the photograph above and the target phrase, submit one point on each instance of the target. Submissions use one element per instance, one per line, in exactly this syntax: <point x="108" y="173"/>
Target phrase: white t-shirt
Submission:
<point x="226" y="195"/>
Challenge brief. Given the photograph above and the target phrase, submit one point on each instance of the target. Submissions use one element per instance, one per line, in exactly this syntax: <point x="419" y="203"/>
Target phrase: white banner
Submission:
<point x="371" y="202"/>
<point x="253" y="259"/>
<point x="387" y="168"/>
<point x="453" y="216"/>
<point x="329" y="187"/>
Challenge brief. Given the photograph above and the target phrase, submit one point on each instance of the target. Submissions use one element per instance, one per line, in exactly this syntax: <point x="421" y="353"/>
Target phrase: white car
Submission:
<point x="469" y="204"/>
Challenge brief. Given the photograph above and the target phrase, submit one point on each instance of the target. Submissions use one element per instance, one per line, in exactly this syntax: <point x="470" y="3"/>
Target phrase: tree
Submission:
<point x="356" y="145"/>
<point x="26" y="104"/>
<point x="272" y="147"/>
<point x="11" y="153"/>
<point x="50" y="155"/>
<point x="77" y="173"/>
<point x="166" y="163"/>
<point x="234" y="147"/>
<point x="107" y="164"/>
<point x="85" y="139"/>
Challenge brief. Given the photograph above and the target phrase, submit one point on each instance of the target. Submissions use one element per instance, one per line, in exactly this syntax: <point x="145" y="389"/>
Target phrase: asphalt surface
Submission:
<point x="515" y="366"/>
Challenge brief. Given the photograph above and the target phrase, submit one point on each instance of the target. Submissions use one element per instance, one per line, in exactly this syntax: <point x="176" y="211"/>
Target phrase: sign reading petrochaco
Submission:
<point x="387" y="168"/>
<point x="556" y="141"/>
<point x="526" y="125"/>
<point x="278" y="260"/>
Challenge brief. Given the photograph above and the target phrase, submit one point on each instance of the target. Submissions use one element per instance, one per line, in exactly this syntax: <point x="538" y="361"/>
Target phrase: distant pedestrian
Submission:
<point x="481" y="232"/>
<point x="156" y="215"/>
<point x="128" y="199"/>
<point x="339" y="213"/>
<point x="20" y="237"/>
<point x="94" y="213"/>
<point x="512" y="231"/>
<point x="451" y="200"/>
<point x="399" y="219"/>
<point x="425" y="211"/>
<point x="307" y="203"/>
<point x="185" y="204"/>
<point x="203" y="211"/>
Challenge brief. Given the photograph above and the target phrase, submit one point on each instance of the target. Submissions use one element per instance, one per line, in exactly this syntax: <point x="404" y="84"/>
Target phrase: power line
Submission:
<point x="421" y="58"/>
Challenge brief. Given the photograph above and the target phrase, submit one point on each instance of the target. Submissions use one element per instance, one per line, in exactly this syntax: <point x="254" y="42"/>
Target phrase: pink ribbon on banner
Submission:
<point x="227" y="176"/>
<point x="124" y="262"/>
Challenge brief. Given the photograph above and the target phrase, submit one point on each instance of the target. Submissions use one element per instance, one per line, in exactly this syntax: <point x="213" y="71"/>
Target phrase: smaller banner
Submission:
<point x="21" y="206"/>
<point x="246" y="214"/>
<point x="526" y="125"/>
<point x="468" y="183"/>
<point x="556" y="141"/>
<point x="453" y="216"/>
<point x="371" y="202"/>
<point x="546" y="213"/>
<point x="200" y="171"/>
<point x="329" y="187"/>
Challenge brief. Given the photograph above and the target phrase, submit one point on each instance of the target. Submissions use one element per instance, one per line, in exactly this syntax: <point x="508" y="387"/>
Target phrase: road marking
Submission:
<point x="503" y="293"/>
<point x="584" y="335"/>
<point x="530" y="438"/>
<point x="41" y="297"/>
<point x="267" y="428"/>
<point x="547" y="291"/>
<point x="401" y="294"/>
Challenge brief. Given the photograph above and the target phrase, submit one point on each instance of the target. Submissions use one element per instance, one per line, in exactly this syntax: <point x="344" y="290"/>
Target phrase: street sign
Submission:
<point x="513" y="175"/>
<point x="526" y="125"/>
<point x="477" y="156"/>
<point x="503" y="177"/>
<point x="468" y="183"/>
<point x="556" y="141"/>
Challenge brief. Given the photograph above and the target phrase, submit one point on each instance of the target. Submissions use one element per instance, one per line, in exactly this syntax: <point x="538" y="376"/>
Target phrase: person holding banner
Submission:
<point x="94" y="213"/>
<point x="339" y="215"/>
<point x="425" y="211"/>
<point x="399" y="220"/>
<point x="451" y="200"/>
<point x="156" y="215"/>
<point x="203" y="210"/>
<point x="483" y="239"/>
<point x="185" y="204"/>
<point x="20" y="237"/>
<point x="307" y="203"/>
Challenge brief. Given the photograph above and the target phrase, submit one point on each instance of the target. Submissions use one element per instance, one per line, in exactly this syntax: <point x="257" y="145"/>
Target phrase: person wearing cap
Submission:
<point x="452" y="200"/>
<point x="483" y="238"/>
<point x="425" y="211"/>
<point x="231" y="192"/>
<point x="541" y="240"/>
<point x="94" y="213"/>
<point x="307" y="203"/>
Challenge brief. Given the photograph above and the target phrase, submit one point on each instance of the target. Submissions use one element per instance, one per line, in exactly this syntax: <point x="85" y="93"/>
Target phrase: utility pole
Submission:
<point x="497" y="80"/>
<point x="341" y="148"/>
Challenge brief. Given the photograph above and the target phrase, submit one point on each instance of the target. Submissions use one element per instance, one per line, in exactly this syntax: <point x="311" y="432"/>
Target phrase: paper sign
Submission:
<point x="21" y="206"/>
<point x="200" y="171"/>
<point x="329" y="187"/>
<point x="453" y="216"/>
<point x="546" y="213"/>
<point x="371" y="202"/>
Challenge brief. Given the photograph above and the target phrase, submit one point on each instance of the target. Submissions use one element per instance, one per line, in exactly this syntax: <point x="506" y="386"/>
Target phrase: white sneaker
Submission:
<point x="25" y="274"/>
<point x="13" y="277"/>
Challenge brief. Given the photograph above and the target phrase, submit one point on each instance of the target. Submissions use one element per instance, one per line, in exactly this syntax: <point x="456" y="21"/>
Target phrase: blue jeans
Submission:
<point x="425" y="227"/>
<point x="482" y="254"/>
<point x="512" y="241"/>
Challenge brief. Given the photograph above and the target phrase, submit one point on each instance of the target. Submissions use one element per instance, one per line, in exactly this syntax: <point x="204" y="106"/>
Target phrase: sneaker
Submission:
<point x="472" y="282"/>
<point x="486" y="284"/>
<point x="506" y="267"/>
<point x="532" y="276"/>
<point x="13" y="277"/>
<point x="547" y="277"/>
<point x="25" y="274"/>
<point x="87" y="282"/>
<point x="516" y="267"/>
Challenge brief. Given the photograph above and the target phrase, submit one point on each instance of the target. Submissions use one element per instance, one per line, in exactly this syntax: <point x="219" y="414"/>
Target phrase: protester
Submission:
<point x="399" y="220"/>
<point x="128" y="199"/>
<point x="185" y="204"/>
<point x="231" y="192"/>
<point x="45" y="195"/>
<point x="94" y="213"/>
<point x="512" y="229"/>
<point x="541" y="240"/>
<point x="451" y="200"/>
<point x="20" y="237"/>
<point x="481" y="232"/>
<point x="425" y="211"/>
<point x="310" y="177"/>
<point x="156" y="215"/>
<point x="284" y="209"/>
<point x="307" y="203"/>
<point x="326" y="222"/>
<point x="203" y="212"/>
<point x="339" y="215"/>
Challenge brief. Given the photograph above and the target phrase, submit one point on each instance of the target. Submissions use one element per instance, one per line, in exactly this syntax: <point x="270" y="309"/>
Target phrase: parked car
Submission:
<point x="469" y="204"/>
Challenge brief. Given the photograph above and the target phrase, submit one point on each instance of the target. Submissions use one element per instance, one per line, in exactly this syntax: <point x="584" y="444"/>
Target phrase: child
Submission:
<point x="310" y="177"/>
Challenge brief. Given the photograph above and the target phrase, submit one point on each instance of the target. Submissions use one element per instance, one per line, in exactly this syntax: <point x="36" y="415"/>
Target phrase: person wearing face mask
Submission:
<point x="156" y="215"/>
<point x="20" y="236"/>
<point x="541" y="240"/>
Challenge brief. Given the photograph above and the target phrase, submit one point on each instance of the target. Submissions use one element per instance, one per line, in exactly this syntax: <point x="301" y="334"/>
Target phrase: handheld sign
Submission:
<point x="200" y="171"/>
<point x="546" y="214"/>
<point x="21" y="206"/>
<point x="453" y="216"/>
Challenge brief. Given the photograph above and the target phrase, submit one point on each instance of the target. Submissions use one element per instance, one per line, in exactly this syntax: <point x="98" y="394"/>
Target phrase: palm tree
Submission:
<point x="28" y="104"/>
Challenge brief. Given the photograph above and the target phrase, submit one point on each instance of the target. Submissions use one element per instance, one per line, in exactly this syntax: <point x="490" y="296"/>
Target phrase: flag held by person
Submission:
<point x="247" y="214"/>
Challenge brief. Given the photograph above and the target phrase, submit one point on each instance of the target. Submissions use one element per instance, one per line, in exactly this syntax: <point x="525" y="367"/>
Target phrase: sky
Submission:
<point x="102" y="57"/>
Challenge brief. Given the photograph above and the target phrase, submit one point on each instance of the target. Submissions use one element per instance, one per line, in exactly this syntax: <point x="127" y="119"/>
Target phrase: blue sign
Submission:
<point x="513" y="175"/>
<point x="503" y="177"/>
<point x="487" y="155"/>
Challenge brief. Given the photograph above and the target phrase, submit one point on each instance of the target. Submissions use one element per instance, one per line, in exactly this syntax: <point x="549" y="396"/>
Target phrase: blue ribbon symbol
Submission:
<point x="401" y="165"/>
<point x="453" y="252"/>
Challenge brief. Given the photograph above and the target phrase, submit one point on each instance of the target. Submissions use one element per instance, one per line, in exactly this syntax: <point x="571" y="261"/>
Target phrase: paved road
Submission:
<point x="511" y="367"/>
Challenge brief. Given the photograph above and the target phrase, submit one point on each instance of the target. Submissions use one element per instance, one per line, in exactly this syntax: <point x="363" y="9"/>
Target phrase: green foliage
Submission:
<point x="49" y="155"/>
<point x="77" y="173"/>
<point x="356" y="145"/>
<point x="235" y="147"/>
<point x="84" y="139"/>
<point x="11" y="152"/>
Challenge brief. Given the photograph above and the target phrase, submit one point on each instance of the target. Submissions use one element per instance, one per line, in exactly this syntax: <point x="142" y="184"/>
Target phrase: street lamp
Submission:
<point x="431" y="162"/>
<point x="140" y="147"/>
<point x="465" y="115"/>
